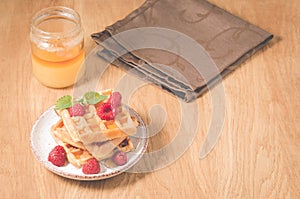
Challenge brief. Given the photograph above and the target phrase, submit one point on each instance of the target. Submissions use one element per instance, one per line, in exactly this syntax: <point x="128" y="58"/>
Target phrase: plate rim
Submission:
<point x="89" y="177"/>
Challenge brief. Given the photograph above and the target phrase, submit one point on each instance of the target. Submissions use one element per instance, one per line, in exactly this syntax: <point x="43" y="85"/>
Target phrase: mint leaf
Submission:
<point x="94" y="97"/>
<point x="63" y="102"/>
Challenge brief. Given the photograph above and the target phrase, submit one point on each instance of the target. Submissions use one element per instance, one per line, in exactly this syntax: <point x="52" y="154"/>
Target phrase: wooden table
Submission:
<point x="257" y="155"/>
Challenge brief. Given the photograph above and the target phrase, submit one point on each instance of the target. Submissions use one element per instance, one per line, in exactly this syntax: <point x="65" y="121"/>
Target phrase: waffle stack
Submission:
<point x="88" y="136"/>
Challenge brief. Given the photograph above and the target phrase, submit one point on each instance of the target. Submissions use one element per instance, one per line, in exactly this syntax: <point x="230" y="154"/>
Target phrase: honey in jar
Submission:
<point x="57" y="46"/>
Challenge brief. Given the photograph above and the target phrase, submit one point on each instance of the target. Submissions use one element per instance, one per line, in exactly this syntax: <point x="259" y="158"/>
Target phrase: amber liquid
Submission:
<point x="57" y="64"/>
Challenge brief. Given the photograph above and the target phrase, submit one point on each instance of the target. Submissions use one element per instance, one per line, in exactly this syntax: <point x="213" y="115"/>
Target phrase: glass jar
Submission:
<point x="57" y="46"/>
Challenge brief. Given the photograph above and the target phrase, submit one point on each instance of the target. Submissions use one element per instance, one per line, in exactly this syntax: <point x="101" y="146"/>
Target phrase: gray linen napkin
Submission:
<point x="226" y="39"/>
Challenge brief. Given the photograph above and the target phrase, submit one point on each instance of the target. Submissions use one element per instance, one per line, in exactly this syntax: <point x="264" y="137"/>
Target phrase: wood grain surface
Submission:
<point x="257" y="156"/>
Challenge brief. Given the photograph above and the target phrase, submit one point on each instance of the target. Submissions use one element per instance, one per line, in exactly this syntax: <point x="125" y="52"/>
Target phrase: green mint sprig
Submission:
<point x="92" y="97"/>
<point x="63" y="102"/>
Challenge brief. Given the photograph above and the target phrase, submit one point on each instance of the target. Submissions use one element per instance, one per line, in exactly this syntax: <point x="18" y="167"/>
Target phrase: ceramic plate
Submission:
<point x="42" y="143"/>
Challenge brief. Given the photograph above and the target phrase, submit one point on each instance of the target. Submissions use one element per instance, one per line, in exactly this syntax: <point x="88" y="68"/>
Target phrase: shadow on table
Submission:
<point x="122" y="180"/>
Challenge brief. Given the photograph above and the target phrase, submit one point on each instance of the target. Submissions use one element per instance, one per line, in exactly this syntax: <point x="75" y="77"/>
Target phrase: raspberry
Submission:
<point x="57" y="156"/>
<point x="91" y="167"/>
<point x="115" y="99"/>
<point x="119" y="158"/>
<point x="105" y="112"/>
<point x="77" y="110"/>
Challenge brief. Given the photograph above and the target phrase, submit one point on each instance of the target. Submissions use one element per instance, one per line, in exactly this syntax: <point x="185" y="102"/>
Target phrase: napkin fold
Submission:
<point x="160" y="41"/>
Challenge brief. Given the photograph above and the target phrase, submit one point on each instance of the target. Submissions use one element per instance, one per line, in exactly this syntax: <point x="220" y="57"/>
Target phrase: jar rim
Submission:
<point x="63" y="12"/>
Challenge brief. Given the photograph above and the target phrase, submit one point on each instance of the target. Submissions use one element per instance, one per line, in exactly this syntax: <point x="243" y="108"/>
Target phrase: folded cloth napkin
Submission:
<point x="162" y="57"/>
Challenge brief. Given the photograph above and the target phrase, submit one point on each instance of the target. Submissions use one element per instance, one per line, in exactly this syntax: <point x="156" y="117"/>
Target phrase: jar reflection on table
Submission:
<point x="57" y="46"/>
